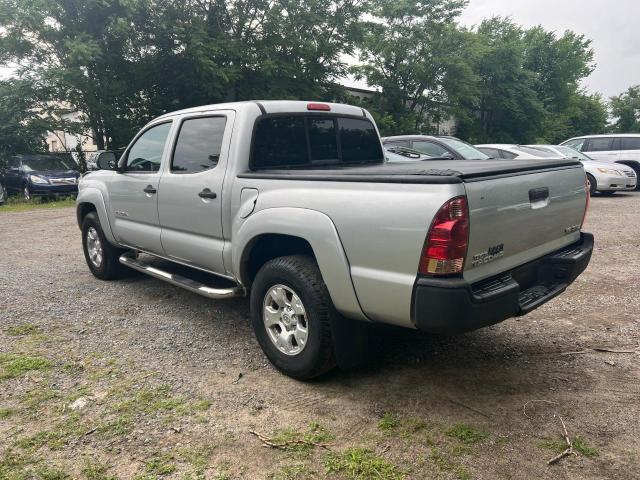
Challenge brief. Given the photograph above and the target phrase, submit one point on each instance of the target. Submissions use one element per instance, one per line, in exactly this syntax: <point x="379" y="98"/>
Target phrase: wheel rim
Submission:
<point x="285" y="320"/>
<point x="94" y="247"/>
<point x="27" y="193"/>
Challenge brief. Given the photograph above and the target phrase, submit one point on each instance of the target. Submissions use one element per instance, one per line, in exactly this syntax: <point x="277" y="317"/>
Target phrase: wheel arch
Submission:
<point x="276" y="232"/>
<point x="90" y="200"/>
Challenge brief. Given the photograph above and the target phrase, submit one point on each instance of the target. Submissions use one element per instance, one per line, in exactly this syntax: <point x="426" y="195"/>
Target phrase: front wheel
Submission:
<point x="591" y="184"/>
<point x="291" y="313"/>
<point x="26" y="193"/>
<point x="102" y="258"/>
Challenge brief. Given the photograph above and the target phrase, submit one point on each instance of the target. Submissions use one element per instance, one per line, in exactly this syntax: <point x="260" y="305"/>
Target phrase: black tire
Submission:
<point x="592" y="184"/>
<point x="110" y="267"/>
<point x="301" y="274"/>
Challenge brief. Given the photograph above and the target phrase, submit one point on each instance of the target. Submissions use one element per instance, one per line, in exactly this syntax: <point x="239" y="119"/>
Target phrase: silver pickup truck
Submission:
<point x="293" y="204"/>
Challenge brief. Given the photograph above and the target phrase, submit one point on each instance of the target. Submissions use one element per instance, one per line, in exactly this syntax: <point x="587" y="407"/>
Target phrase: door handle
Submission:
<point x="150" y="190"/>
<point x="206" y="193"/>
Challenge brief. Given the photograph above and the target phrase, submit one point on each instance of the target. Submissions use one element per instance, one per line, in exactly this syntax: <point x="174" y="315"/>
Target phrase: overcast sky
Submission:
<point x="613" y="26"/>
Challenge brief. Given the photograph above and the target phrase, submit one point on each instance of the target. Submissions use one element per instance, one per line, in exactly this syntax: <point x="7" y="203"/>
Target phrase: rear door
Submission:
<point x="601" y="148"/>
<point x="517" y="218"/>
<point x="190" y="193"/>
<point x="133" y="192"/>
<point x="13" y="176"/>
<point x="629" y="148"/>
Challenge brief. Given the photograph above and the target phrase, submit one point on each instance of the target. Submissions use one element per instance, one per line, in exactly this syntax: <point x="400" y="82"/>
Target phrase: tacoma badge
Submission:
<point x="491" y="254"/>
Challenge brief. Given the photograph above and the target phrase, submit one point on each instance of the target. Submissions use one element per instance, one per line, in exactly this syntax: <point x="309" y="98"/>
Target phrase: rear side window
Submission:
<point x="630" y="143"/>
<point x="507" y="155"/>
<point x="198" y="145"/>
<point x="599" y="144"/>
<point x="307" y="140"/>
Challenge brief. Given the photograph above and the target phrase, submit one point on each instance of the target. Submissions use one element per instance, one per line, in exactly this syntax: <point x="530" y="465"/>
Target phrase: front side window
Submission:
<point x="307" y="140"/>
<point x="599" y="144"/>
<point x="430" y="148"/>
<point x="630" y="143"/>
<point x="576" y="144"/>
<point x="199" y="144"/>
<point x="146" y="153"/>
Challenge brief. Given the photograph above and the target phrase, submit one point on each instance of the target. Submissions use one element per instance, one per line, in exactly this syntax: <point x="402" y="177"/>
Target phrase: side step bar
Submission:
<point x="129" y="259"/>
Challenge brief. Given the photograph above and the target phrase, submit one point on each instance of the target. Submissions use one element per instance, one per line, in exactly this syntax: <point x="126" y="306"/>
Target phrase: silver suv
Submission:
<point x="619" y="148"/>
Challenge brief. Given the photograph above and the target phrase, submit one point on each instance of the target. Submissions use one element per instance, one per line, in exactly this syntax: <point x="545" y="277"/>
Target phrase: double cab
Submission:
<point x="292" y="204"/>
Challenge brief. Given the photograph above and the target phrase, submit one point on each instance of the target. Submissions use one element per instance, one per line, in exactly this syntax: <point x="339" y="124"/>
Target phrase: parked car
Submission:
<point x="40" y="175"/>
<point x="441" y="147"/>
<point x="508" y="151"/>
<point x="617" y="148"/>
<point x="293" y="204"/>
<point x="601" y="176"/>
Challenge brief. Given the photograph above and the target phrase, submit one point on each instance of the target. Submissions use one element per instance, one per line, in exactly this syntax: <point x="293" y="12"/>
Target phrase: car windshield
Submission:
<point x="572" y="153"/>
<point x="47" y="163"/>
<point x="467" y="151"/>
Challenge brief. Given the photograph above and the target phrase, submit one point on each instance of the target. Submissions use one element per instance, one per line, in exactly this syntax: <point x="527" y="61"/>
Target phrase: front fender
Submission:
<point x="94" y="196"/>
<point x="317" y="229"/>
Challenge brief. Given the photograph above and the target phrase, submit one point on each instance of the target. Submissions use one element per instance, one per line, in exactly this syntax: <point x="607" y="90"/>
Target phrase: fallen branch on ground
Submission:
<point x="601" y="349"/>
<point x="568" y="450"/>
<point x="287" y="444"/>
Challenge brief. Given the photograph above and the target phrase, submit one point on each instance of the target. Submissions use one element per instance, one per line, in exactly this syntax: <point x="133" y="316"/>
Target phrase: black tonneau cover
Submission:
<point x="426" y="171"/>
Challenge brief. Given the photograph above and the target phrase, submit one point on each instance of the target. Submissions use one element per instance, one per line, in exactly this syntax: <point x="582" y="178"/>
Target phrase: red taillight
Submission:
<point x="446" y="245"/>
<point x="324" y="107"/>
<point x="586" y="206"/>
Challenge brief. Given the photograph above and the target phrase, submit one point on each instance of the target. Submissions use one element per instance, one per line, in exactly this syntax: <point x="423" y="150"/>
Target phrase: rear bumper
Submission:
<point x="453" y="305"/>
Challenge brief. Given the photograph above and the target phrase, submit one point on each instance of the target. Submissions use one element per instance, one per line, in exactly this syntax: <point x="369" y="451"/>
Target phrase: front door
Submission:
<point x="190" y="194"/>
<point x="134" y="191"/>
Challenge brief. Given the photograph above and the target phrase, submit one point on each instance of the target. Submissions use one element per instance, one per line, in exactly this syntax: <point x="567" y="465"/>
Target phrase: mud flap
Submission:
<point x="350" y="341"/>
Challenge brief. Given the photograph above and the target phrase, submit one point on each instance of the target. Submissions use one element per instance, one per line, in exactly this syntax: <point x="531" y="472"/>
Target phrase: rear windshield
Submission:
<point x="536" y="152"/>
<point x="308" y="140"/>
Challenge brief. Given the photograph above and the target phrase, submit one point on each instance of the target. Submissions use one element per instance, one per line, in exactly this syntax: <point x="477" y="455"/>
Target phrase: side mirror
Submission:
<point x="107" y="161"/>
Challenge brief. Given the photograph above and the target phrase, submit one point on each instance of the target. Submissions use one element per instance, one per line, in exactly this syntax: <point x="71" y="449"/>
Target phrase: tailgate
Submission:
<point x="516" y="218"/>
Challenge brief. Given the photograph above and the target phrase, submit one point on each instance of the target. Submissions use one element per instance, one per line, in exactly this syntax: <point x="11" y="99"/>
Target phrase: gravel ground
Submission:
<point x="137" y="378"/>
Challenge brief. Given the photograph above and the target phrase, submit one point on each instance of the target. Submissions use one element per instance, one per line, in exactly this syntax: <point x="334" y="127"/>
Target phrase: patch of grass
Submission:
<point x="315" y="434"/>
<point x="579" y="445"/>
<point x="466" y="434"/>
<point x="22" y="330"/>
<point x="160" y="465"/>
<point x="361" y="464"/>
<point x="297" y="471"/>
<point x="388" y="422"/>
<point x="55" y="438"/>
<point x="116" y="427"/>
<point x="14" y="365"/>
<point x="6" y="412"/>
<point x="13" y="465"/>
<point x="199" y="459"/>
<point x="95" y="470"/>
<point x="445" y="465"/>
<point x="51" y="473"/>
<point x="19" y="205"/>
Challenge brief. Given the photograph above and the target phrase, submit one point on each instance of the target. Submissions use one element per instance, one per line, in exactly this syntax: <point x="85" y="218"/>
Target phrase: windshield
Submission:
<point x="571" y="153"/>
<point x="47" y="163"/>
<point x="469" y="152"/>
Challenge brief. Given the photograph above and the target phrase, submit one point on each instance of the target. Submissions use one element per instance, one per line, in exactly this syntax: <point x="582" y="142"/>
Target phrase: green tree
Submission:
<point x="625" y="110"/>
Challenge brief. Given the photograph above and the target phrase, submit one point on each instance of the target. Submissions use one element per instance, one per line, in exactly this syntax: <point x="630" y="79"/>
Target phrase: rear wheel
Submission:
<point x="102" y="257"/>
<point x="291" y="313"/>
<point x="591" y="184"/>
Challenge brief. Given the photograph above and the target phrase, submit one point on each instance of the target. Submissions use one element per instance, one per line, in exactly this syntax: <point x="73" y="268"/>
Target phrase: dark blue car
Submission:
<point x="41" y="175"/>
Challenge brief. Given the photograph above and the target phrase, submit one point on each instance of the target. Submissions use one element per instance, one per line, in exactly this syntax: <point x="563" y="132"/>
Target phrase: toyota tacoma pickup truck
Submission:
<point x="292" y="204"/>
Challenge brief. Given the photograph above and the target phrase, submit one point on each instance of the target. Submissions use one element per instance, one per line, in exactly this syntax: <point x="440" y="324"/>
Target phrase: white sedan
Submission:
<point x="509" y="151"/>
<point x="604" y="177"/>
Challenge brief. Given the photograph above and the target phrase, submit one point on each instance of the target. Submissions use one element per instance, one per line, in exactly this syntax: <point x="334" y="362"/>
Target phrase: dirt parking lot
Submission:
<point x="138" y="379"/>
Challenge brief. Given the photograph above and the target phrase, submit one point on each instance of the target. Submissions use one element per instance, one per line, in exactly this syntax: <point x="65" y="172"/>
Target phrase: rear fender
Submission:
<point x="320" y="232"/>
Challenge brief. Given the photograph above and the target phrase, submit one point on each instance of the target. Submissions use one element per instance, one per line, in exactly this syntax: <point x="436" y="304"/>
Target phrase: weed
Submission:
<point x="160" y="465"/>
<point x="20" y="205"/>
<point x="6" y="412"/>
<point x="315" y="434"/>
<point x="121" y="425"/>
<point x="17" y="365"/>
<point x="293" y="472"/>
<point x="581" y="447"/>
<point x="51" y="473"/>
<point x="95" y="470"/>
<point x="388" y="422"/>
<point x="446" y="465"/>
<point x="361" y="464"/>
<point x="466" y="434"/>
<point x="24" y="329"/>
